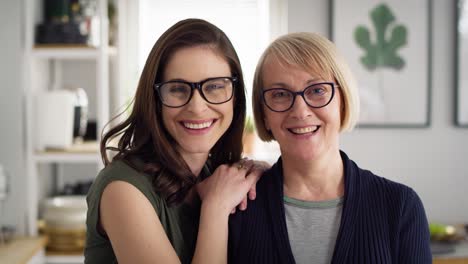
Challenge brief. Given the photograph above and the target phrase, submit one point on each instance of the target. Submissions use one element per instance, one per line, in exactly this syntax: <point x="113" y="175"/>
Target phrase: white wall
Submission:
<point x="11" y="112"/>
<point x="433" y="161"/>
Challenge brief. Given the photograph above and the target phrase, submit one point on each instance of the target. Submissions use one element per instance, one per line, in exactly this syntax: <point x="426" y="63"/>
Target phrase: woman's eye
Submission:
<point x="178" y="89"/>
<point x="318" y="90"/>
<point x="215" y="86"/>
<point x="280" y="94"/>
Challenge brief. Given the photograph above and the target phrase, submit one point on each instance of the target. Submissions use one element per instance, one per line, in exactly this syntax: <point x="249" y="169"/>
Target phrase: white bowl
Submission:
<point x="65" y="212"/>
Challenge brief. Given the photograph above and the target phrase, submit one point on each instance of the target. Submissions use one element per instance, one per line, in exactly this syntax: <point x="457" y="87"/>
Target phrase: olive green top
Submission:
<point x="180" y="222"/>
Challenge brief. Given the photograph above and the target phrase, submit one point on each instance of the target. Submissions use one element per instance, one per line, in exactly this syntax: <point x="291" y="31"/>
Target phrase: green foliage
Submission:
<point x="382" y="53"/>
<point x="437" y="229"/>
<point x="440" y="231"/>
<point x="249" y="126"/>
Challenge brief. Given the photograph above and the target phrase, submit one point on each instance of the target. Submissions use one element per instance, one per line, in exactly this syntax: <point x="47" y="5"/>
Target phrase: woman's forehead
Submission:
<point x="316" y="71"/>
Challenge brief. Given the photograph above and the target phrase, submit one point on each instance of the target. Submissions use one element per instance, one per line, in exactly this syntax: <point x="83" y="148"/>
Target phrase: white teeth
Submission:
<point x="198" y="126"/>
<point x="303" y="130"/>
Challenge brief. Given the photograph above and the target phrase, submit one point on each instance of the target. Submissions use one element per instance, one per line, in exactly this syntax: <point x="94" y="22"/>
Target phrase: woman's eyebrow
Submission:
<point x="307" y="83"/>
<point x="176" y="80"/>
<point x="314" y="80"/>
<point x="279" y="84"/>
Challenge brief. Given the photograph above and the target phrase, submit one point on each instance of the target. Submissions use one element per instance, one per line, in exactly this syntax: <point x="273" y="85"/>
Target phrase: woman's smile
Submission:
<point x="305" y="130"/>
<point x="198" y="127"/>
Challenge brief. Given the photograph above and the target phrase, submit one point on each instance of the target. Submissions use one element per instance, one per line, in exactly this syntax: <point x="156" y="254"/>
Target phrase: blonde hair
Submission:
<point x="308" y="51"/>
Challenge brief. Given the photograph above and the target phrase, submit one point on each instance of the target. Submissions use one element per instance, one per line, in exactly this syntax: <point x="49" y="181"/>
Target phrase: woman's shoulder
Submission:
<point x="98" y="244"/>
<point x="383" y="184"/>
<point x="273" y="175"/>
<point x="120" y="170"/>
<point x="366" y="180"/>
<point x="377" y="188"/>
<point x="386" y="197"/>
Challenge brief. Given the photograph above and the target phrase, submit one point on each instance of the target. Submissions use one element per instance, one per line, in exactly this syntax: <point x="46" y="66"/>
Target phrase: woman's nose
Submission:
<point x="197" y="103"/>
<point x="300" y="109"/>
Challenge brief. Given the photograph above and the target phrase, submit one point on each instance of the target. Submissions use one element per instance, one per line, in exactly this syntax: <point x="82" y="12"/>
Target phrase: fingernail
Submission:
<point x="253" y="196"/>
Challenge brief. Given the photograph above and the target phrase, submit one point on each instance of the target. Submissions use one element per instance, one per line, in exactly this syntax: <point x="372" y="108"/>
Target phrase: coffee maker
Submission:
<point x="61" y="118"/>
<point x="80" y="116"/>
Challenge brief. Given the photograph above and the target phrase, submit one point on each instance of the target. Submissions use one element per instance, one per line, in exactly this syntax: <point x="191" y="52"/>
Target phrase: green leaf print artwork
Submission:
<point x="390" y="38"/>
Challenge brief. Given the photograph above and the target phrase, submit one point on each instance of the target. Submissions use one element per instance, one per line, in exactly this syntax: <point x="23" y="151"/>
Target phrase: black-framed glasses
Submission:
<point x="316" y="95"/>
<point x="177" y="93"/>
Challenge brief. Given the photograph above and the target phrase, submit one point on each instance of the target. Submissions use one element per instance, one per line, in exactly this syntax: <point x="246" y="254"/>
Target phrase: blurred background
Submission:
<point x="68" y="66"/>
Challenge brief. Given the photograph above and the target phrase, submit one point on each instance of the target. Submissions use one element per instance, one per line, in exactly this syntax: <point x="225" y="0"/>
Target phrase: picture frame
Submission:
<point x="388" y="48"/>
<point x="461" y="63"/>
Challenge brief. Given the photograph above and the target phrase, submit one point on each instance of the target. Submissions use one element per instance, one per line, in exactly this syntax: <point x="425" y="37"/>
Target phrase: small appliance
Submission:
<point x="61" y="117"/>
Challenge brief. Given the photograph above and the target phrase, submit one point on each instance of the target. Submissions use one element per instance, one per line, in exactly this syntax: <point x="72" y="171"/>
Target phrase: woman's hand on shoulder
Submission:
<point x="258" y="168"/>
<point x="228" y="186"/>
<point x="133" y="227"/>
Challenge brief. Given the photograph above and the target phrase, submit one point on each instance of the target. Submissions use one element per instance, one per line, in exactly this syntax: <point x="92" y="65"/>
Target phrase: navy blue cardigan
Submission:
<point x="382" y="222"/>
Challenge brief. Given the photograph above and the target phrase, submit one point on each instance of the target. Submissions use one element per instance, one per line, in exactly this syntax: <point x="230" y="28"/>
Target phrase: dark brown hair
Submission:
<point x="143" y="135"/>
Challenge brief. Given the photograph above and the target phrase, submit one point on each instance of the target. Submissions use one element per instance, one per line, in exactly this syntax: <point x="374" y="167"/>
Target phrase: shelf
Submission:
<point x="77" y="153"/>
<point x="72" y="51"/>
<point x="70" y="259"/>
<point x="45" y="71"/>
<point x="66" y="157"/>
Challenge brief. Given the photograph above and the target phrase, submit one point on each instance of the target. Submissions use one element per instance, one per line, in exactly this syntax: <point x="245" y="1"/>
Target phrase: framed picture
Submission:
<point x="461" y="58"/>
<point x="387" y="44"/>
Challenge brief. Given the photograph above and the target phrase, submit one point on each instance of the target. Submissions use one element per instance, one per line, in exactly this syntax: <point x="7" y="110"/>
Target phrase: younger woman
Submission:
<point x="187" y="123"/>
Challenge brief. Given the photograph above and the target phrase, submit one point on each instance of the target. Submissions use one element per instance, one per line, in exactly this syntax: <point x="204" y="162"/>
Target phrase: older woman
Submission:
<point x="315" y="205"/>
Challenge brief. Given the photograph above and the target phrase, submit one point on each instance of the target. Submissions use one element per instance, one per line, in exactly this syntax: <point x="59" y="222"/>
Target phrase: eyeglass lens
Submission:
<point x="316" y="95"/>
<point x="215" y="91"/>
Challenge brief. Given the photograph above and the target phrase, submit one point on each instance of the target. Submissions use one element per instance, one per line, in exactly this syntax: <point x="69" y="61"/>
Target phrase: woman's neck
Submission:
<point x="314" y="180"/>
<point x="195" y="161"/>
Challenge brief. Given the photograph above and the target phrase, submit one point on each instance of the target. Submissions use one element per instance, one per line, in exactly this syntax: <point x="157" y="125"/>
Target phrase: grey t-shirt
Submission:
<point x="313" y="228"/>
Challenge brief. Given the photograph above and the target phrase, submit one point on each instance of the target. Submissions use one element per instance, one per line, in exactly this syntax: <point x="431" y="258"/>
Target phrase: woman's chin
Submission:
<point x="302" y="154"/>
<point x="195" y="150"/>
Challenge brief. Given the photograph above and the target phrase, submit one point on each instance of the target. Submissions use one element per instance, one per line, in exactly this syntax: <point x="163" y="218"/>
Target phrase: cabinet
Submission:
<point x="43" y="71"/>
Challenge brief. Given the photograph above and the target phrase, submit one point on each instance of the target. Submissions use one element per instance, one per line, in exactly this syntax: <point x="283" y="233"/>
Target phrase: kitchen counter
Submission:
<point x="22" y="250"/>
<point x="460" y="256"/>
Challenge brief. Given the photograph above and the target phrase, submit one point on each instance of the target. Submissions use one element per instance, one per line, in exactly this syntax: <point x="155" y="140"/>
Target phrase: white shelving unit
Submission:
<point x="62" y="53"/>
<point x="41" y="62"/>
<point x="51" y="259"/>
